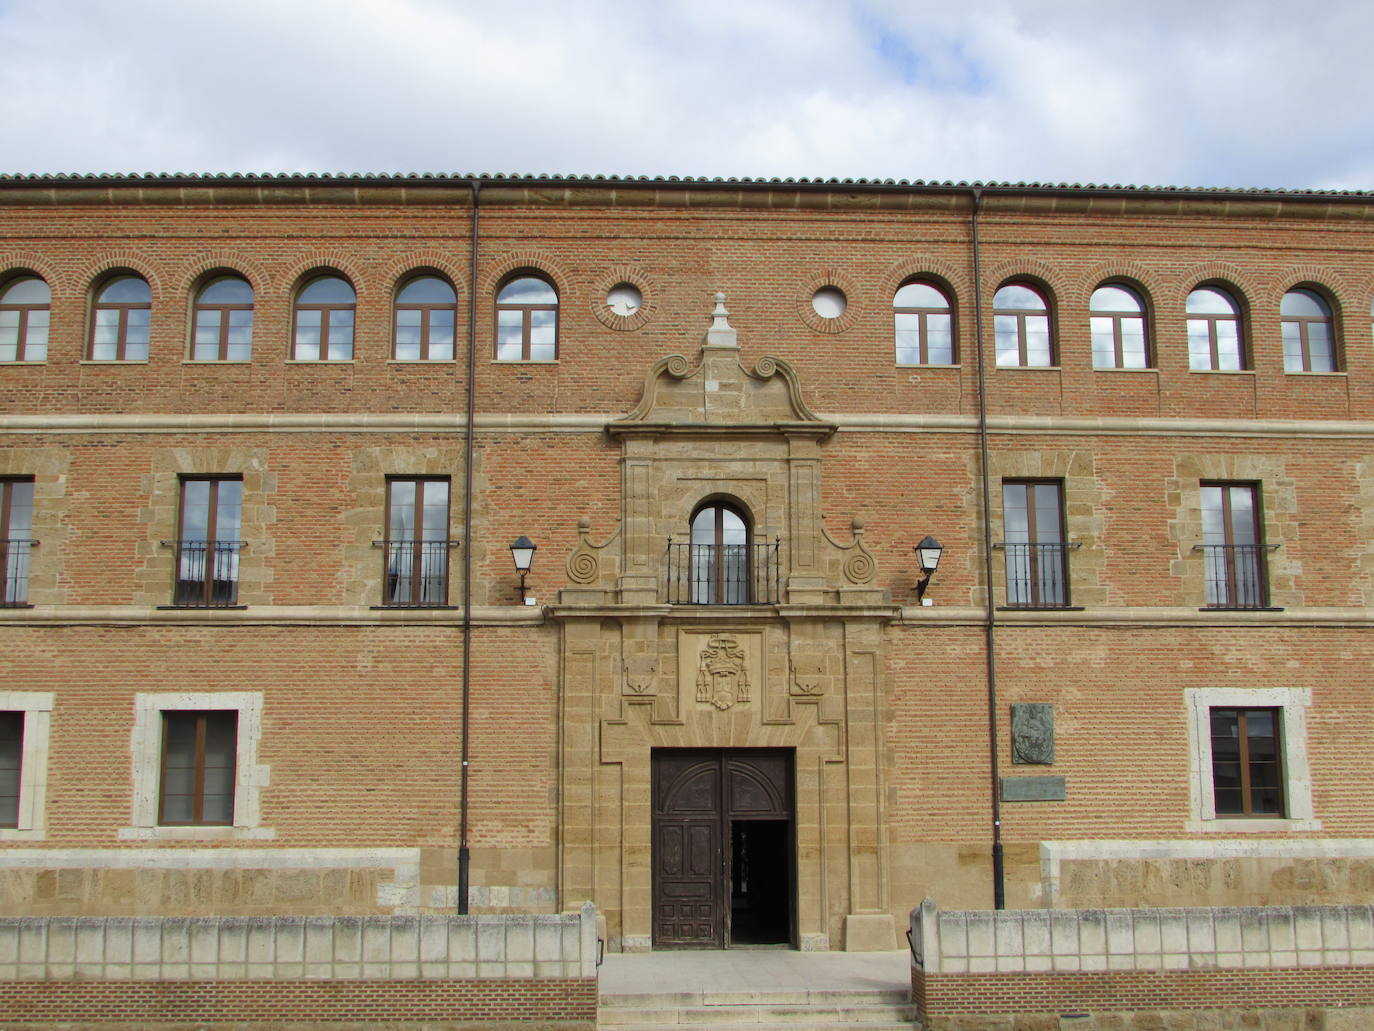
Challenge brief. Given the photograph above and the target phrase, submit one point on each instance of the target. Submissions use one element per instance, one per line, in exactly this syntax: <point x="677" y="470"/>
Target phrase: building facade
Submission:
<point x="265" y="443"/>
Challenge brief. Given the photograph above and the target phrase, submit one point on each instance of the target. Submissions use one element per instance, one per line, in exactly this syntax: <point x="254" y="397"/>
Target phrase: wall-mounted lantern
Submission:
<point x="522" y="551"/>
<point x="928" y="555"/>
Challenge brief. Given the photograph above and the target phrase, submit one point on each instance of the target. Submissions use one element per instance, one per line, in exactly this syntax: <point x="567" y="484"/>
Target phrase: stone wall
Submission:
<point x="1097" y="966"/>
<point x="449" y="972"/>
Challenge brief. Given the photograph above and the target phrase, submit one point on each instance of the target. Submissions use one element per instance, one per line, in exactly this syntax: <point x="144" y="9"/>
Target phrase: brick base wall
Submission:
<point x="1052" y="993"/>
<point x="440" y="1005"/>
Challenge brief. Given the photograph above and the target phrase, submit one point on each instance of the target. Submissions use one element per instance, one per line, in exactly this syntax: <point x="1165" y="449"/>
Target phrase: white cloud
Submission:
<point x="1217" y="94"/>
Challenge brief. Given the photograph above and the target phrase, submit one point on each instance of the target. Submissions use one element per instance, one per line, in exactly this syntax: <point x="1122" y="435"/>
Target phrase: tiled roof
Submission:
<point x="696" y="182"/>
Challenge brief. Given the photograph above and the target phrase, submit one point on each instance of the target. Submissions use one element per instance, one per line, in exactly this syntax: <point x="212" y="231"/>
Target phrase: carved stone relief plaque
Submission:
<point x="724" y="666"/>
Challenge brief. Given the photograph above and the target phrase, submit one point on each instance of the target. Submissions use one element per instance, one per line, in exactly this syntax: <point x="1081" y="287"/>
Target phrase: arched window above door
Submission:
<point x="720" y="564"/>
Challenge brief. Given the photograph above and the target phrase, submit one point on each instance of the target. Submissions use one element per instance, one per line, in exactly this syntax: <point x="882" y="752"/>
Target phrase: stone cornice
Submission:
<point x="1136" y="617"/>
<point x="267" y="615"/>
<point x="582" y="192"/>
<point x="494" y="423"/>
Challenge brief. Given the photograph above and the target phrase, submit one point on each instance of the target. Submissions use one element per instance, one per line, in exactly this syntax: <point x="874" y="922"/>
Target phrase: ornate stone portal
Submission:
<point x="794" y="662"/>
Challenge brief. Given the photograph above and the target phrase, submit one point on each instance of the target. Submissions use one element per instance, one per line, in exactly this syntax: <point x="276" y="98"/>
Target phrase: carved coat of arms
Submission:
<point x="723" y="676"/>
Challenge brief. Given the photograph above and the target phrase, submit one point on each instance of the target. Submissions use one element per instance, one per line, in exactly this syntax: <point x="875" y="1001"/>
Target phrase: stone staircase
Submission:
<point x="817" y="1009"/>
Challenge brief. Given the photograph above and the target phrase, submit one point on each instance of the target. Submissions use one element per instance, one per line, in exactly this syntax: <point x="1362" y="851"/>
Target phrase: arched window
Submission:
<point x="1309" y="344"/>
<point x="1118" y="328"/>
<point x="527" y="321"/>
<point x="1021" y="326"/>
<point x="24" y="320"/>
<point x="324" y="320"/>
<point x="426" y="309"/>
<point x="223" y="324"/>
<point x="924" y="325"/>
<point x="119" y="328"/>
<point x="720" y="555"/>
<point x="1214" y="337"/>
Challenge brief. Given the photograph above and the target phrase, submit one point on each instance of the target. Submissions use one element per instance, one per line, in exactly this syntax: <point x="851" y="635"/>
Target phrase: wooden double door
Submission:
<point x="724" y="852"/>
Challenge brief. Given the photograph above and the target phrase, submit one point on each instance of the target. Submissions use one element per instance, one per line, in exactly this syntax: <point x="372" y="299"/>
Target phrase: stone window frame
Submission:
<point x="1292" y="704"/>
<point x="145" y="746"/>
<point x="33" y="763"/>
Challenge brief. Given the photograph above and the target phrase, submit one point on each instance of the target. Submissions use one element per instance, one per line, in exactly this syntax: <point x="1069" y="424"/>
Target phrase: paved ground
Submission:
<point x="734" y="970"/>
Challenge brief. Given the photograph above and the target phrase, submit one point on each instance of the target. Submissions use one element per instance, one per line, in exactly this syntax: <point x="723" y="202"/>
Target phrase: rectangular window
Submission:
<point x="1037" y="557"/>
<point x="11" y="762"/>
<point x="1232" y="546"/>
<point x="417" y="542"/>
<point x="1247" y="769"/>
<point x="208" y="543"/>
<point x="199" y="759"/>
<point x="16" y="540"/>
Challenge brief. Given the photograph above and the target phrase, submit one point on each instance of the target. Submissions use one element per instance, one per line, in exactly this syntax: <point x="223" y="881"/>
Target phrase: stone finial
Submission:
<point x="721" y="333"/>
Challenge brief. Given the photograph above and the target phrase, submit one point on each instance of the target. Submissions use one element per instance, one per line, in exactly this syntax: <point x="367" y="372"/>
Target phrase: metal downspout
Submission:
<point x="464" y="857"/>
<point x="999" y="892"/>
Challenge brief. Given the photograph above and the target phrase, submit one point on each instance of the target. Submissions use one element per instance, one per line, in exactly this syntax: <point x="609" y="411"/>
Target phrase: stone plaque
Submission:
<point x="724" y="667"/>
<point x="1032" y="733"/>
<point x="1033" y="789"/>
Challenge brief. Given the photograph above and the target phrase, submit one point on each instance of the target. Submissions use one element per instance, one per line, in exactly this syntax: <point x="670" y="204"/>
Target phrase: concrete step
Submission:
<point x="799" y="1010"/>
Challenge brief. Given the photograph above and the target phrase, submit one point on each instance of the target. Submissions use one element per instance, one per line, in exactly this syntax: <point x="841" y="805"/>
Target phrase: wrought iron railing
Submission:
<point x="1235" y="575"/>
<point x="415" y="573"/>
<point x="723" y="574"/>
<point x="1037" y="575"/>
<point x="207" y="573"/>
<point x="14" y="565"/>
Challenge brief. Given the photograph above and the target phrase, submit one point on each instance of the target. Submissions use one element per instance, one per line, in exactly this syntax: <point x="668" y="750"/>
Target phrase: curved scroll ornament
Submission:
<point x="584" y="564"/>
<point x="674" y="365"/>
<point x="860" y="567"/>
<point x="767" y="367"/>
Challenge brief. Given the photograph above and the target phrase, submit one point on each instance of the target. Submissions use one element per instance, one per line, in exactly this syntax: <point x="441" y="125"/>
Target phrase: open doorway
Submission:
<point x="724" y="855"/>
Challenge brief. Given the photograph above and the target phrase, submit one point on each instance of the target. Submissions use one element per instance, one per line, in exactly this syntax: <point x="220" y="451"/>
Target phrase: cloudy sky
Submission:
<point x="1165" y="92"/>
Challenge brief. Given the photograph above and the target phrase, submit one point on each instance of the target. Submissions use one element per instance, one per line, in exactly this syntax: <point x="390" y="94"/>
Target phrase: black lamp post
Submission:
<point x="928" y="554"/>
<point x="522" y="551"/>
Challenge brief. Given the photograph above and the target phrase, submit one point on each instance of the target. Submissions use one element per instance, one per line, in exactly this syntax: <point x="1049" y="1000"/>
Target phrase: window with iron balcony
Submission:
<point x="1037" y="561"/>
<point x="208" y="545"/>
<point x="16" y="541"/>
<point x="415" y="551"/>
<point x="1233" y="547"/>
<point x="720" y="563"/>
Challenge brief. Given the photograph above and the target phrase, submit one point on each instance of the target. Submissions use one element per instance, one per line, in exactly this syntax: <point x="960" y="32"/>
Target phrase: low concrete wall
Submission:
<point x="1090" y="963"/>
<point x="448" y="972"/>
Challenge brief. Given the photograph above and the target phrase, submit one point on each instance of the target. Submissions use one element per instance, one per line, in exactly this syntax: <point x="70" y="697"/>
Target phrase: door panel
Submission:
<point x="687" y="851"/>
<point x="701" y="803"/>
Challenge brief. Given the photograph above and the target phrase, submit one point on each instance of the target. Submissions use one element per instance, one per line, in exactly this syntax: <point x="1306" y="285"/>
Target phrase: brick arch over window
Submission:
<point x="954" y="280"/>
<point x="542" y="263"/>
<point x="1144" y="281"/>
<point x="325" y="263"/>
<point x="1336" y="289"/>
<point x="95" y="274"/>
<point x="418" y="263"/>
<point x="14" y="264"/>
<point x="226" y="263"/>
<point x="1173" y="294"/>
